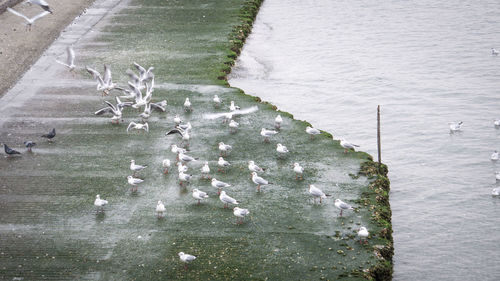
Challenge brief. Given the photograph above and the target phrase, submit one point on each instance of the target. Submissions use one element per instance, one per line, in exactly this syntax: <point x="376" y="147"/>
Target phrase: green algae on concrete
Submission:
<point x="49" y="227"/>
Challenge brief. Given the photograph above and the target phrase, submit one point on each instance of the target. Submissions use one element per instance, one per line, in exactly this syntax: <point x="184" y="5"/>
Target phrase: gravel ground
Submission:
<point x="19" y="49"/>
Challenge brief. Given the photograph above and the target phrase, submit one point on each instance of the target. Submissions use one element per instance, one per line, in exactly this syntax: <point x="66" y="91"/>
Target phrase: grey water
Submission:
<point x="426" y="63"/>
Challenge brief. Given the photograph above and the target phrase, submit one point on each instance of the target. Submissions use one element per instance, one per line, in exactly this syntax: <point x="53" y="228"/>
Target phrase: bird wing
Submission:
<point x="245" y="111"/>
<point x="175" y="131"/>
<point x="344" y="205"/>
<point x="104" y="110"/>
<point x="132" y="75"/>
<point x="71" y="55"/>
<point x="18" y="14"/>
<point x="107" y="74"/>
<point x="40" y="15"/>
<point x="130" y="125"/>
<point x="110" y="105"/>
<point x="63" y="63"/>
<point x="93" y="72"/>
<point x="159" y="105"/>
<point x="141" y="69"/>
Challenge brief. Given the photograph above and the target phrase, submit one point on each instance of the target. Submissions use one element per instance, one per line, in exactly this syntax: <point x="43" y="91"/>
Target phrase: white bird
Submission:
<point x="187" y="105"/>
<point x="455" y="127"/>
<point x="205" y="171"/>
<point x="298" y="171"/>
<point x="30" y="21"/>
<point x="104" y="83"/>
<point x="219" y="185"/>
<point x="363" y="234"/>
<point x="240" y="213"/>
<point x="496" y="122"/>
<point x="159" y="106"/>
<point x="146" y="113"/>
<point x="282" y="150"/>
<point x="115" y="110"/>
<point x="494" y="156"/>
<point x="267" y="134"/>
<point x="143" y="73"/>
<point x="229" y="115"/>
<point x="186" y="158"/>
<point x="138" y="126"/>
<point x="224" y="148"/>
<point x="342" y="206"/>
<point x="177" y="120"/>
<point x="160" y="209"/>
<point x="312" y="131"/>
<point x="494" y="52"/>
<point x="217" y="101"/>
<point x="166" y="165"/>
<point x="259" y="181"/>
<point x="495" y="192"/>
<point x="184" y="178"/>
<point x="136" y="168"/>
<point x="226" y="199"/>
<point x="222" y="164"/>
<point x="186" y="258"/>
<point x="316" y="192"/>
<point x="100" y="203"/>
<point x="183" y="133"/>
<point x="233" y="107"/>
<point x="177" y="150"/>
<point x="42" y="3"/>
<point x="199" y="195"/>
<point x="277" y="122"/>
<point x="134" y="182"/>
<point x="185" y="127"/>
<point x="181" y="168"/>
<point x="347" y="145"/>
<point x="254" y="168"/>
<point x="140" y="99"/>
<point x="497" y="176"/>
<point x="70" y="59"/>
<point x="233" y="126"/>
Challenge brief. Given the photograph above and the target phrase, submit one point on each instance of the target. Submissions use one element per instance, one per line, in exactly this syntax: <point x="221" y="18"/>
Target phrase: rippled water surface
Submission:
<point x="426" y="63"/>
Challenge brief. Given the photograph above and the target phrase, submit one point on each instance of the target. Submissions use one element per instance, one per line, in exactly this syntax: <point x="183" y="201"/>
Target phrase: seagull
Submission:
<point x="141" y="99"/>
<point x="177" y="120"/>
<point x="181" y="168"/>
<point x="233" y="126"/>
<point x="104" y="83"/>
<point x="186" y="258"/>
<point x="229" y="115"/>
<point x="186" y="158"/>
<point x="44" y="5"/>
<point x="240" y="213"/>
<point x="267" y="134"/>
<point x="494" y="52"/>
<point x="224" y="148"/>
<point x="146" y="113"/>
<point x="165" y="164"/>
<point x="494" y="156"/>
<point x="347" y="145"/>
<point x="233" y="107"/>
<point x="187" y="105"/>
<point x="160" y="209"/>
<point x="183" y="133"/>
<point x="205" y="171"/>
<point x="259" y="181"/>
<point x="177" y="150"/>
<point x="455" y="127"/>
<point x="342" y="206"/>
<point x="138" y="126"/>
<point x="184" y="178"/>
<point x="312" y="131"/>
<point x="30" y="21"/>
<point x="363" y="234"/>
<point x="10" y="151"/>
<point x="100" y="203"/>
<point x="496" y="122"/>
<point x="50" y="135"/>
<point x="497" y="176"/>
<point x="115" y="110"/>
<point x="316" y="192"/>
<point x="226" y="199"/>
<point x="143" y="73"/>
<point x="217" y="101"/>
<point x="185" y="127"/>
<point x="298" y="171"/>
<point x="254" y="168"/>
<point x="222" y="164"/>
<point x="495" y="192"/>
<point x="136" y="168"/>
<point x="70" y="60"/>
<point x="277" y="122"/>
<point x="199" y="195"/>
<point x="29" y="145"/>
<point x="134" y="181"/>
<point x="282" y="150"/>
<point x="219" y="185"/>
<point x="160" y="106"/>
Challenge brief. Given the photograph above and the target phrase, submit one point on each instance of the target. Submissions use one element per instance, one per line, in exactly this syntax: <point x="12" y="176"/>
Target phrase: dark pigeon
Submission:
<point x="9" y="150"/>
<point x="50" y="135"/>
<point x="29" y="144"/>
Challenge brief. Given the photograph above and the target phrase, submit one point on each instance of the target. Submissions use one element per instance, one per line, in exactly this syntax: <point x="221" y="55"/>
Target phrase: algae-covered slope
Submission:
<point x="49" y="227"/>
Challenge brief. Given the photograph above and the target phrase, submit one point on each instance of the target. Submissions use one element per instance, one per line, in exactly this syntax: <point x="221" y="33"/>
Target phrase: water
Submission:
<point x="426" y="63"/>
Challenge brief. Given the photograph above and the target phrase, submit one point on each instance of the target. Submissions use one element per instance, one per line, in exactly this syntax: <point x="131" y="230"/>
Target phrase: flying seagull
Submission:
<point x="30" y="21"/>
<point x="70" y="60"/>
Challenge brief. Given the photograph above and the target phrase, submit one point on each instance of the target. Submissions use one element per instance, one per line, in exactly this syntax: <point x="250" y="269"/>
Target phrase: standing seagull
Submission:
<point x="233" y="126"/>
<point x="224" y="148"/>
<point x="277" y="122"/>
<point x="494" y="156"/>
<point x="219" y="185"/>
<point x="44" y="5"/>
<point x="267" y="134"/>
<point x="160" y="209"/>
<point x="50" y="135"/>
<point x="222" y="165"/>
<point x="342" y="206"/>
<point x="282" y="150"/>
<point x="363" y="234"/>
<point x="316" y="192"/>
<point x="455" y="127"/>
<point x="10" y="151"/>
<point x="187" y="105"/>
<point x="259" y="181"/>
<point x="29" y="145"/>
<point x="347" y="145"/>
<point x="199" y="195"/>
<point x="254" y="168"/>
<point x="134" y="181"/>
<point x="30" y="21"/>
<point x="205" y="171"/>
<point x="100" y="203"/>
<point x="136" y="168"/>
<point x="298" y="171"/>
<point x="166" y="165"/>
<point x="226" y="199"/>
<point x="184" y="178"/>
<point x="240" y="213"/>
<point x="70" y="60"/>
<point x="186" y="258"/>
<point x="494" y="52"/>
<point x="217" y="101"/>
<point x="312" y="131"/>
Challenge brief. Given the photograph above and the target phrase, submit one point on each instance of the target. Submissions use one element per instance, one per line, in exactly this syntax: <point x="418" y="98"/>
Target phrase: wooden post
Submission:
<point x="378" y="139"/>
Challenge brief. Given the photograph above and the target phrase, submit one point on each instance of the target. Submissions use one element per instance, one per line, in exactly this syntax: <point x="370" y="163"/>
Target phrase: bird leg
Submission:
<point x="165" y="171"/>
<point x="218" y="191"/>
<point x="258" y="188"/>
<point x="266" y="140"/>
<point x="320" y="200"/>
<point x="185" y="266"/>
<point x="198" y="201"/>
<point x="225" y="205"/>
<point x="340" y="212"/>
